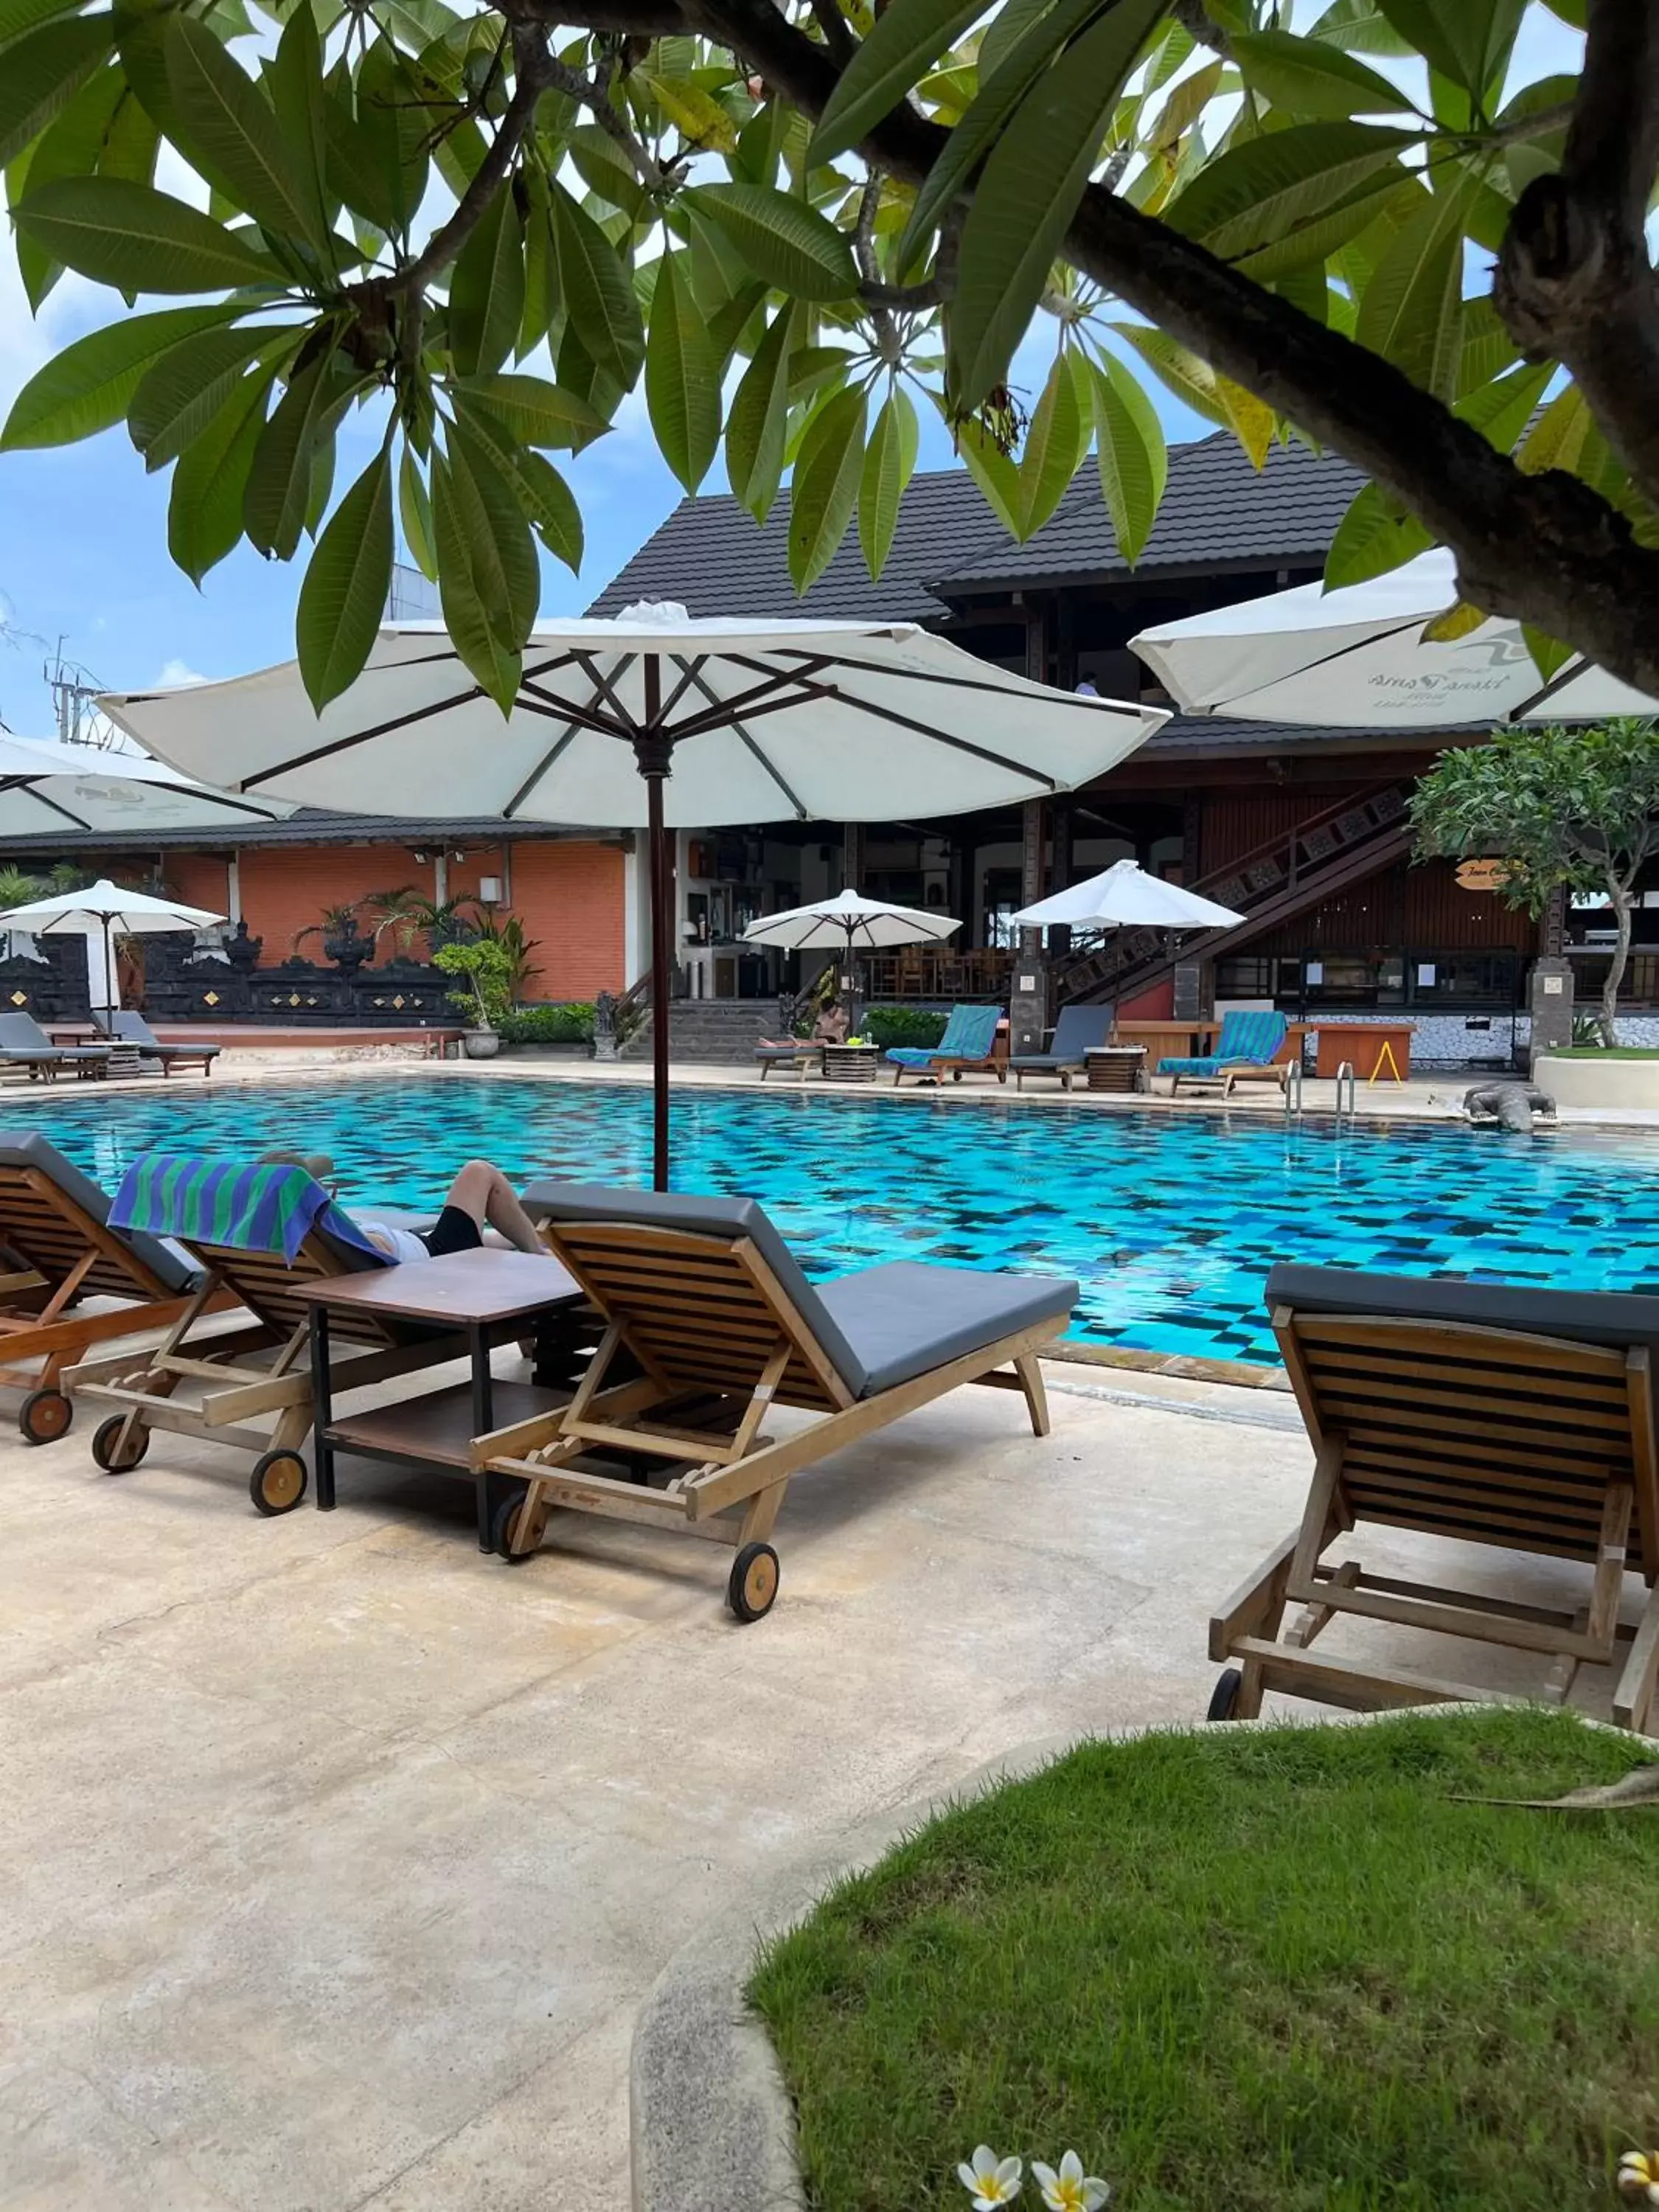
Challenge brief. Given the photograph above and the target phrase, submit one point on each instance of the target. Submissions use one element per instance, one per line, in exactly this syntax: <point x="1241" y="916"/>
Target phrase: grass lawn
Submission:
<point x="1602" y="1051"/>
<point x="1264" y="1971"/>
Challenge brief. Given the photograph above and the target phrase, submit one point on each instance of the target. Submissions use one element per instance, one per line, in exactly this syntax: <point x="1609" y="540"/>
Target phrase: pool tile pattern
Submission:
<point x="1170" y="1221"/>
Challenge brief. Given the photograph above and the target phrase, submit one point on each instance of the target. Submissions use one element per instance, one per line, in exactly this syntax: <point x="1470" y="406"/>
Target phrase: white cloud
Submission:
<point x="180" y="672"/>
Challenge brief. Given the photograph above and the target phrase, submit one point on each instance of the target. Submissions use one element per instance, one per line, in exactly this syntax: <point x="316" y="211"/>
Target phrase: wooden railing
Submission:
<point x="1273" y="882"/>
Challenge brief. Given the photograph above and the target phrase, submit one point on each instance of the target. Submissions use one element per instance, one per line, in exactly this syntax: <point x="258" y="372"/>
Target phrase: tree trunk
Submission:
<point x="1619" y="894"/>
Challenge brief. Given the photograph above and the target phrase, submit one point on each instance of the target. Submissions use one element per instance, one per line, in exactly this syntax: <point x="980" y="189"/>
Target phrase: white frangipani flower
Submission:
<point x="1071" y="2190"/>
<point x="989" y="2180"/>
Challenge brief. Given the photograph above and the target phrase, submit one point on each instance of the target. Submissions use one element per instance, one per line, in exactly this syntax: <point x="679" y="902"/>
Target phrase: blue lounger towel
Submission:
<point x="968" y="1034"/>
<point x="248" y="1206"/>
<point x="1246" y="1041"/>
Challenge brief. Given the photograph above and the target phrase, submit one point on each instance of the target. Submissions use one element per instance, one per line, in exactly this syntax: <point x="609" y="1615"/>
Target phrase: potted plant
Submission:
<point x="487" y="968"/>
<point x="407" y="912"/>
<point x="343" y="941"/>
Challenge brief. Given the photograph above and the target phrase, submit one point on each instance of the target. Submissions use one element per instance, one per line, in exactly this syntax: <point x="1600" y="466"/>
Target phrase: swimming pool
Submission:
<point x="1170" y="1221"/>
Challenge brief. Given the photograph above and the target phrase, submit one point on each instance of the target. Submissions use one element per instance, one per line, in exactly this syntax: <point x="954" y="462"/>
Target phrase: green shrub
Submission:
<point x="568" y="1024"/>
<point x="891" y="1025"/>
<point x="488" y="969"/>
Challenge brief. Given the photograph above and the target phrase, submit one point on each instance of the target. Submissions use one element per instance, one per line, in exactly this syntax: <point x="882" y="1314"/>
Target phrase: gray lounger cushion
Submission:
<point x="1620" y="1318"/>
<point x="22" y="1037"/>
<point x="910" y="1316"/>
<point x="878" y="1327"/>
<point x="129" y="1027"/>
<point x="25" y="1149"/>
<point x="1079" y="1030"/>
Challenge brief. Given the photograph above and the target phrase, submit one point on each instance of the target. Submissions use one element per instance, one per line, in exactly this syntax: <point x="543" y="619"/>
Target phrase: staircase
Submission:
<point x="1279" y="880"/>
<point x="713" y="1032"/>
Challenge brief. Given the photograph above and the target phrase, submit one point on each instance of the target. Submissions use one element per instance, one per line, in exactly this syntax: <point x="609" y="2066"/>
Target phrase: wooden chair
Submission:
<point x="1479" y="1413"/>
<point x="704" y="1299"/>
<point x="56" y="1253"/>
<point x="212" y="1389"/>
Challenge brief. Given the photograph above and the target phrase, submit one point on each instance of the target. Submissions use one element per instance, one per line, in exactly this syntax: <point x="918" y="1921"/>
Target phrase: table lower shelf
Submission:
<point x="437" y="1430"/>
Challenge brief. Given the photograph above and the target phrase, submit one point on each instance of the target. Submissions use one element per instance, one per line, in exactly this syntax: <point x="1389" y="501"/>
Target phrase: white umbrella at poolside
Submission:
<point x="1124" y="897"/>
<point x="46" y="787"/>
<point x="848" y="922"/>
<point x="657" y="720"/>
<point x="1357" y="659"/>
<point x="101" y="912"/>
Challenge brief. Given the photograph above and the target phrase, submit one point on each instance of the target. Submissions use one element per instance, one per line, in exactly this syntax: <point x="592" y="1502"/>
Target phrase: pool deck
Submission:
<point x="339" y="1858"/>
<point x="1430" y="1097"/>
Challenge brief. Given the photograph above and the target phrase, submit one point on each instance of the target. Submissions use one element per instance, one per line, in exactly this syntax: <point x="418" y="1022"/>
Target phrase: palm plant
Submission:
<point x="405" y="913"/>
<point x="507" y="931"/>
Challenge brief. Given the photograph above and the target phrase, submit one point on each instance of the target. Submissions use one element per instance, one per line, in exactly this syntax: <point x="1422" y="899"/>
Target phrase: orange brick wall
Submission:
<point x="569" y="898"/>
<point x="285" y="889"/>
<point x="199" y="879"/>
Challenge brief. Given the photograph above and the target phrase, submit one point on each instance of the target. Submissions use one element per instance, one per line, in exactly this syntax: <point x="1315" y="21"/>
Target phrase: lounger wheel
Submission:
<point x="504" y="1525"/>
<point x="751" y="1589"/>
<point x="277" y="1482"/>
<point x="44" y="1416"/>
<point x="1223" y="1699"/>
<point x="108" y="1451"/>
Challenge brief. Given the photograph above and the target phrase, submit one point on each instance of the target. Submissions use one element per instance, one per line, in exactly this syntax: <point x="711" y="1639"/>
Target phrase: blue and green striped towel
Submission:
<point x="249" y="1206"/>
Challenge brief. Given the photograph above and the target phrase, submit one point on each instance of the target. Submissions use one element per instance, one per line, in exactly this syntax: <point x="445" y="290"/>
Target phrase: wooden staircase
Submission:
<point x="1279" y="880"/>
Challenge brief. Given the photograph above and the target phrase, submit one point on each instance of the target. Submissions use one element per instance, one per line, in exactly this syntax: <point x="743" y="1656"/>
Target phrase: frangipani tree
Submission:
<point x="796" y="222"/>
<point x="1571" y="808"/>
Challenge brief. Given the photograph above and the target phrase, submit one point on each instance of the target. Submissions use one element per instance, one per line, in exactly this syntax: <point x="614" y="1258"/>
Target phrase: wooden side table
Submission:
<point x="489" y="1298"/>
<point x="1120" y="1067"/>
<point x="850" y="1063"/>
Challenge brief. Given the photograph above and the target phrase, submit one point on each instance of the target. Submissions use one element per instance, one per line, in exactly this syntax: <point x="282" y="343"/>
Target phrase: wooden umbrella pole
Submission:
<point x="654" y="754"/>
<point x="660" y="901"/>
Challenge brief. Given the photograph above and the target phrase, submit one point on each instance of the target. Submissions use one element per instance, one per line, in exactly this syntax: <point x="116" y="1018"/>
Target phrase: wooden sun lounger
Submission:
<point x="1482" y="1414"/>
<point x="56" y="1252"/>
<point x="213" y="1389"/>
<point x="718" y="1326"/>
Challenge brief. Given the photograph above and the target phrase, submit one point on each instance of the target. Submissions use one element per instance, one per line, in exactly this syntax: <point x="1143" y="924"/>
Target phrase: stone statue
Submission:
<point x="605" y="1025"/>
<point x="1514" y="1104"/>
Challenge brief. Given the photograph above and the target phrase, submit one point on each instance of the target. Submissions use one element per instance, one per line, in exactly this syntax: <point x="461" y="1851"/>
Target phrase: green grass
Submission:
<point x="1602" y="1051"/>
<point x="1282" y="1971"/>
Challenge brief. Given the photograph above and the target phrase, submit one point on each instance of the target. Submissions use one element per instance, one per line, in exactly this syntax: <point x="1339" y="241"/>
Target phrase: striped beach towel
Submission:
<point x="249" y="1206"/>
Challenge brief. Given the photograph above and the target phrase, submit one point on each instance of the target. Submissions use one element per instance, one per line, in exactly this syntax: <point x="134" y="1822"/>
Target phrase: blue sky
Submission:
<point x="83" y="529"/>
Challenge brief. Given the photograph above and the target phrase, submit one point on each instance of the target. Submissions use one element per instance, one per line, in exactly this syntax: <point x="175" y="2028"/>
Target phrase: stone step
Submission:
<point x="709" y="1032"/>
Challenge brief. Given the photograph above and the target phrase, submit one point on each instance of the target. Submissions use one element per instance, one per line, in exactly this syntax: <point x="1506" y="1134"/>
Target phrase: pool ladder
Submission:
<point x="1345" y="1086"/>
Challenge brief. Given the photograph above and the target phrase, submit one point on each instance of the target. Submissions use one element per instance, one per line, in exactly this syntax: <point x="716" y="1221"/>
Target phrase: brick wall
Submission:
<point x="569" y="898"/>
<point x="285" y="889"/>
<point x="199" y="879"/>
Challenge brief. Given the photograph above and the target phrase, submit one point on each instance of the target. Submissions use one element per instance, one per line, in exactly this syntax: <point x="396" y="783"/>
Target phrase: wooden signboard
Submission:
<point x="1482" y="875"/>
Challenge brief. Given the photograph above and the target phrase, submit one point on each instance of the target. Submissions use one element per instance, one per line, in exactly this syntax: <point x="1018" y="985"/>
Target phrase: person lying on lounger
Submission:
<point x="479" y="1193"/>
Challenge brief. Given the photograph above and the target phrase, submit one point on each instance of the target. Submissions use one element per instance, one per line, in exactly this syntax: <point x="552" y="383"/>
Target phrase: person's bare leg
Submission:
<point x="482" y="1190"/>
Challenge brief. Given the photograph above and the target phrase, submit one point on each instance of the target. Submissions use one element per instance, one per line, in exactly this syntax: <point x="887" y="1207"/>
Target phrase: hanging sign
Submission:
<point x="1482" y="875"/>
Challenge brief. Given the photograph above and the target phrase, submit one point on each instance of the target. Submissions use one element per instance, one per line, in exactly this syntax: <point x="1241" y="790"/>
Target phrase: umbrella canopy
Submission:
<point x="1356" y="659"/>
<point x="1125" y="896"/>
<point x="651" y="718"/>
<point x="101" y="912"/>
<point x="45" y="786"/>
<point x="848" y="923"/>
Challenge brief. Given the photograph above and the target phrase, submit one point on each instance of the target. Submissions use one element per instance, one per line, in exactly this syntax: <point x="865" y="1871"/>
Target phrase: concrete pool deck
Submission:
<point x="1436" y="1097"/>
<point x="338" y="1857"/>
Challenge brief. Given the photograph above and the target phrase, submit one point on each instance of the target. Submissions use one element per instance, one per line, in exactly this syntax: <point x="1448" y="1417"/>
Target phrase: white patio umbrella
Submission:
<point x="100" y="914"/>
<point x="45" y="786"/>
<point x="1357" y="659"/>
<point x="848" y="923"/>
<point x="654" y="719"/>
<point x="1125" y="896"/>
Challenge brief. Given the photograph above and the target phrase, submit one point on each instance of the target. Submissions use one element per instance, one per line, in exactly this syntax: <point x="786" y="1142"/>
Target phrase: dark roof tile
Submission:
<point x="711" y="556"/>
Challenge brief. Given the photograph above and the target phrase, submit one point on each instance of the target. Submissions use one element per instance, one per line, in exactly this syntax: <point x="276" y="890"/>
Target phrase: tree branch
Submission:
<point x="531" y="65"/>
<point x="1574" y="281"/>
<point x="1544" y="548"/>
<point x="593" y="96"/>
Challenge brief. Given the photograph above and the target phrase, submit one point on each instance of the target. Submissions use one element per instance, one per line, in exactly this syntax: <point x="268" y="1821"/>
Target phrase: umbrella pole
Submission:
<point x="653" y="756"/>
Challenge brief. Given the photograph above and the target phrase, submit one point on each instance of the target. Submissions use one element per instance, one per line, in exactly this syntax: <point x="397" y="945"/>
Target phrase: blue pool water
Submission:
<point x="1170" y="1221"/>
